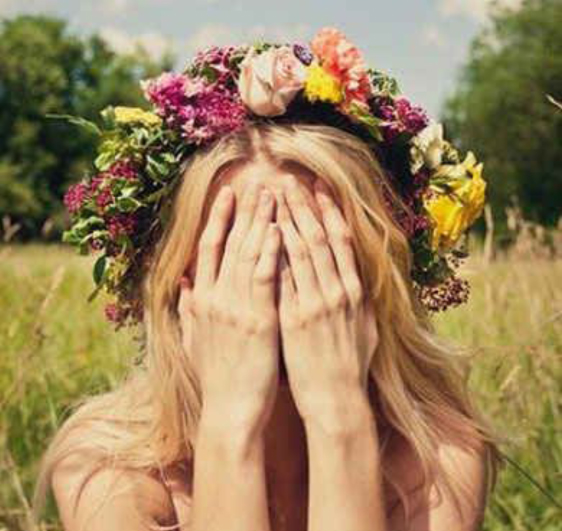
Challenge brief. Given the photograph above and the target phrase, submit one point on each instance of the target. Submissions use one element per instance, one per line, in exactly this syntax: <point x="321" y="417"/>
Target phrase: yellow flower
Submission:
<point x="320" y="85"/>
<point x="127" y="115"/>
<point x="453" y="212"/>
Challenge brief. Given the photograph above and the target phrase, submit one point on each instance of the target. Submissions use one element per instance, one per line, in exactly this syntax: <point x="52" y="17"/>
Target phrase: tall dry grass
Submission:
<point x="56" y="347"/>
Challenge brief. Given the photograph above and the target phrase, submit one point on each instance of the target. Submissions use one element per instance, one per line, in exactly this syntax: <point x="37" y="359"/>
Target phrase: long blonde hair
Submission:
<point x="419" y="380"/>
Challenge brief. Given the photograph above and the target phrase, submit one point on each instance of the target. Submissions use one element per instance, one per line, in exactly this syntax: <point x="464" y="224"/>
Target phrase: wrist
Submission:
<point x="349" y="415"/>
<point x="229" y="437"/>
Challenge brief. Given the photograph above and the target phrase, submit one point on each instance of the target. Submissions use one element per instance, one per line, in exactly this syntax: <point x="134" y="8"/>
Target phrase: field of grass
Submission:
<point x="56" y="347"/>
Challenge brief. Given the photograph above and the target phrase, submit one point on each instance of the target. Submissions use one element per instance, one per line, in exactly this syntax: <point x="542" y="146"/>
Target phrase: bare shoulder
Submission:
<point x="93" y="495"/>
<point x="429" y="509"/>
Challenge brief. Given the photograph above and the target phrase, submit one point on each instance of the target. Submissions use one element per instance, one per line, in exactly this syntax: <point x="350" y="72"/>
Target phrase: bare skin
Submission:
<point x="286" y="459"/>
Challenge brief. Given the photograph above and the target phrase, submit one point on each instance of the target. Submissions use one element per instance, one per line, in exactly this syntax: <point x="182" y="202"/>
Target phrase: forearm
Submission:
<point x="345" y="478"/>
<point x="229" y="489"/>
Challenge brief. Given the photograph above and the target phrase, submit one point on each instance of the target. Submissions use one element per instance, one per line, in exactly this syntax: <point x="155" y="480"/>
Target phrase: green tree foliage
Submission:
<point x="45" y="69"/>
<point x="501" y="109"/>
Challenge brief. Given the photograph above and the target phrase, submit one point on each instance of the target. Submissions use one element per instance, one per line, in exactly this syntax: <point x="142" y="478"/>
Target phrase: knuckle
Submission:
<point x="252" y="325"/>
<point x="318" y="238"/>
<point x="300" y="251"/>
<point x="261" y="277"/>
<point x="313" y="313"/>
<point x="248" y="256"/>
<point x="355" y="293"/>
<point x="209" y="242"/>
<point x="344" y="235"/>
<point x="222" y="313"/>
<point x="337" y="299"/>
<point x="199" y="305"/>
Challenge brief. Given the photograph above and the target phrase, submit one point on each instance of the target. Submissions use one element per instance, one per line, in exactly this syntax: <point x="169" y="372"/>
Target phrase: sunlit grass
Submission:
<point x="56" y="347"/>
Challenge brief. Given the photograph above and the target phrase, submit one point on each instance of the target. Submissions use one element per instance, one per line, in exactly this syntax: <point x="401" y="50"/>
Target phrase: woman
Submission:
<point x="293" y="379"/>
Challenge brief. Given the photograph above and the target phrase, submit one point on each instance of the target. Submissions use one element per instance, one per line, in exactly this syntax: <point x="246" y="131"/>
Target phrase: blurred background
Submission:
<point x="491" y="71"/>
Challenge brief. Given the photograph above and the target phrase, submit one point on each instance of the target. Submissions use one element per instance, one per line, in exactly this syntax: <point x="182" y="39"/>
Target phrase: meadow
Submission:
<point x="56" y="347"/>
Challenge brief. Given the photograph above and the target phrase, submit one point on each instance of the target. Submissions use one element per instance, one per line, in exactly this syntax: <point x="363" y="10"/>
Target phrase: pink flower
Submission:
<point x="115" y="313"/>
<point x="343" y="60"/>
<point x="402" y="117"/>
<point x="269" y="81"/>
<point x="119" y="224"/>
<point x="75" y="196"/>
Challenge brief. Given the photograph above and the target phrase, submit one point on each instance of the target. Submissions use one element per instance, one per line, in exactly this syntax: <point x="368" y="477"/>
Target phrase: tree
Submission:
<point x="44" y="69"/>
<point x="501" y="110"/>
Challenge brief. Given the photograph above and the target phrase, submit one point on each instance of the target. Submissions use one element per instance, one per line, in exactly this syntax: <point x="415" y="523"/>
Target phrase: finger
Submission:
<point x="315" y="237"/>
<point x="341" y="241"/>
<point x="306" y="283"/>
<point x="184" y="308"/>
<point x="287" y="293"/>
<point x="251" y="249"/>
<point x="264" y="275"/>
<point x="243" y="220"/>
<point x="184" y="299"/>
<point x="211" y="242"/>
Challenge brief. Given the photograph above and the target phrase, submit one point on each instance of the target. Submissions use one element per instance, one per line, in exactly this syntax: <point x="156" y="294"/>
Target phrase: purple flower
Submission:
<point x="215" y="112"/>
<point x="303" y="53"/>
<point x="114" y="313"/>
<point x="119" y="224"/>
<point x="104" y="198"/>
<point x="75" y="196"/>
<point x="401" y="117"/>
<point x="123" y="169"/>
<point x="217" y="57"/>
<point x="451" y="292"/>
<point x="200" y="111"/>
<point x="167" y="92"/>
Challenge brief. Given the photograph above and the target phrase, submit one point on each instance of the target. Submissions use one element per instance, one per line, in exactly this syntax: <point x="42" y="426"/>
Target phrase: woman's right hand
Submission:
<point x="228" y="314"/>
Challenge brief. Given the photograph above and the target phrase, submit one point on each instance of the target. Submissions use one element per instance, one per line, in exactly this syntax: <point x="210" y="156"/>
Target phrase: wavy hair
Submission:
<point x="417" y="382"/>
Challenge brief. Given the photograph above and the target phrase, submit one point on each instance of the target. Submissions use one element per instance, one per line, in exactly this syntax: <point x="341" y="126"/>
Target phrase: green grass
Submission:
<point x="56" y="347"/>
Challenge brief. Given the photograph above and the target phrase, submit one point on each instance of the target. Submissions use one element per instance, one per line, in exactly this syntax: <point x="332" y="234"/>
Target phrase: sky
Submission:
<point x="423" y="43"/>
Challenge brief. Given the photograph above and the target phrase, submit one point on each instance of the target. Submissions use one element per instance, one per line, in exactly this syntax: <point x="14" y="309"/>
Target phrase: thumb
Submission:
<point x="186" y="288"/>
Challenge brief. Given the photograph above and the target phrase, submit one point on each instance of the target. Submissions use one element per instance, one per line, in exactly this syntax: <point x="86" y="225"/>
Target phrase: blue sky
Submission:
<point x="422" y="43"/>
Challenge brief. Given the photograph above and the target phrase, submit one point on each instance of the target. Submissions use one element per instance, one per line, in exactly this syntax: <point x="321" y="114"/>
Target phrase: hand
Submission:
<point x="328" y="328"/>
<point x="229" y="320"/>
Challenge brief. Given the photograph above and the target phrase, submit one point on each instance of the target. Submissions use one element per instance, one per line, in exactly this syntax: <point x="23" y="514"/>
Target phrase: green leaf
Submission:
<point x="129" y="191"/>
<point x="70" y="236"/>
<point x="99" y="268"/>
<point x="104" y="160"/>
<point x="128" y="204"/>
<point x="371" y="122"/>
<point x="88" y="223"/>
<point x="94" y="293"/>
<point x="77" y="120"/>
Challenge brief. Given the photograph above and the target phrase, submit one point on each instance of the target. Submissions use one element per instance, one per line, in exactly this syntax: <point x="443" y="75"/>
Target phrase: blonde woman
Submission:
<point x="292" y="379"/>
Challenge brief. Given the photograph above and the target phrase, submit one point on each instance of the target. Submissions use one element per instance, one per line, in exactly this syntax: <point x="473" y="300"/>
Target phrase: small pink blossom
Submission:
<point x="75" y="196"/>
<point x="121" y="224"/>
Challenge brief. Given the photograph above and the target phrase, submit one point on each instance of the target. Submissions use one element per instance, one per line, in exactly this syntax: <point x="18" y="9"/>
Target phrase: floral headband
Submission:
<point x="122" y="208"/>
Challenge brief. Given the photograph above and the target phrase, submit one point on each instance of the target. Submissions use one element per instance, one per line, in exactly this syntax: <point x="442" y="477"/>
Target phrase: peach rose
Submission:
<point x="270" y="80"/>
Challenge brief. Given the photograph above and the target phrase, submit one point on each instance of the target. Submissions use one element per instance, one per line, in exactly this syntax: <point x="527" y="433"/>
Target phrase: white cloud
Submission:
<point x="211" y="34"/>
<point x="432" y="36"/>
<point x="208" y="35"/>
<point x="477" y="9"/>
<point x="114" y="7"/>
<point x="10" y="8"/>
<point x="222" y="34"/>
<point x="154" y="43"/>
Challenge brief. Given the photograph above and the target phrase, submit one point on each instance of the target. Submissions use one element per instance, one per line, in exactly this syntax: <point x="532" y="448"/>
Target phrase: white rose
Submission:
<point x="427" y="148"/>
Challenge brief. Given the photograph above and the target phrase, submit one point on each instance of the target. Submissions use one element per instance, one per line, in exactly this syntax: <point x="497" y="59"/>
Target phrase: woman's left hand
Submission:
<point x="328" y="328"/>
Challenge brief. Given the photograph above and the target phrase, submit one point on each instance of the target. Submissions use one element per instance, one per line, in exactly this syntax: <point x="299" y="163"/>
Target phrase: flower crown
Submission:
<point x="120" y="210"/>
